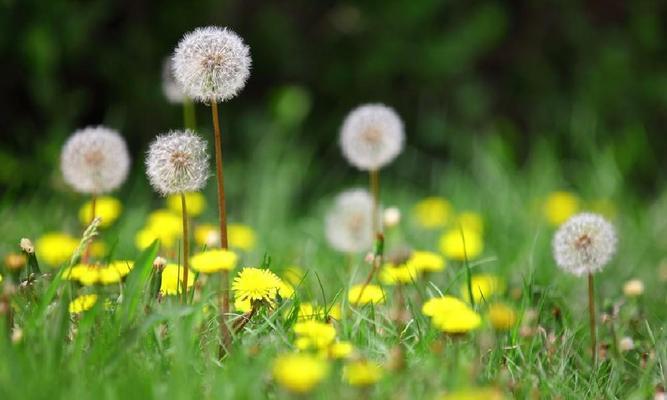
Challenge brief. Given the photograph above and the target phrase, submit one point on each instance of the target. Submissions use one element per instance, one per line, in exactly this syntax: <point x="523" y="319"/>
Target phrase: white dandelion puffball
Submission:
<point x="371" y="136"/>
<point x="177" y="162"/>
<point x="211" y="64"/>
<point x="95" y="160"/>
<point x="584" y="244"/>
<point x="349" y="225"/>
<point x="172" y="90"/>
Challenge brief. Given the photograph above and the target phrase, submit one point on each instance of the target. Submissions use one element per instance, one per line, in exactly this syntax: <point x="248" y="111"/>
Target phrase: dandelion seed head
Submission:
<point x="171" y="88"/>
<point x="371" y="136"/>
<point x="349" y="224"/>
<point x="584" y="244"/>
<point x="177" y="162"/>
<point x="211" y="64"/>
<point x="95" y="160"/>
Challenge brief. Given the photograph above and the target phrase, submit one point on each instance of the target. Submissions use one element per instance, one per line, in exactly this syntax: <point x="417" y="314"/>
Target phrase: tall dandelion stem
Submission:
<point x="93" y="212"/>
<point x="591" y="314"/>
<point x="374" y="176"/>
<point x="224" y="278"/>
<point x="189" y="119"/>
<point x="186" y="247"/>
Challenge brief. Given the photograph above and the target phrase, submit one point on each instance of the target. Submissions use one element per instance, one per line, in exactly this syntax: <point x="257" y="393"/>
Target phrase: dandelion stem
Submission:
<point x="93" y="212"/>
<point x="224" y="281"/>
<point x="591" y="312"/>
<point x="186" y="247"/>
<point x="374" y="176"/>
<point x="377" y="262"/>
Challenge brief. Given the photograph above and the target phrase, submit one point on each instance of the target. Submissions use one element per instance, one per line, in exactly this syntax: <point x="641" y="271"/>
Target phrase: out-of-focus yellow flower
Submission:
<point x="15" y="261"/>
<point x="458" y="321"/>
<point x="502" y="316"/>
<point x="371" y="294"/>
<point x="293" y="275"/>
<point x="299" y="373"/>
<point x="340" y="350"/>
<point x="98" y="249"/>
<point x="633" y="288"/>
<point x="106" y="207"/>
<point x="285" y="290"/>
<point x="89" y="275"/>
<point x="241" y="236"/>
<point x="362" y="373"/>
<point x="207" y="235"/>
<point x="307" y="312"/>
<point x="82" y="303"/>
<point x="256" y="284"/>
<point x="484" y="287"/>
<point x="147" y="236"/>
<point x="166" y="221"/>
<point x="212" y="261"/>
<point x="460" y="245"/>
<point x="426" y="261"/>
<point x="314" y="334"/>
<point x="335" y="312"/>
<point x="195" y="203"/>
<point x="172" y="279"/>
<point x="559" y="206"/>
<point x="470" y="221"/>
<point x="442" y="305"/>
<point x="55" y="248"/>
<point x="474" y="394"/>
<point x="433" y="212"/>
<point x="400" y="274"/>
<point x="0" y="278"/>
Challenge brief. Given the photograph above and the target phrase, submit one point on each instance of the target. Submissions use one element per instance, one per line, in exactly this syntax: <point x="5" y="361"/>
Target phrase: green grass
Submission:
<point x="169" y="350"/>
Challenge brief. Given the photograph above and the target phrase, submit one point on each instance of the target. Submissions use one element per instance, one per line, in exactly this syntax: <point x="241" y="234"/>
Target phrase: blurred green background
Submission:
<point x="568" y="78"/>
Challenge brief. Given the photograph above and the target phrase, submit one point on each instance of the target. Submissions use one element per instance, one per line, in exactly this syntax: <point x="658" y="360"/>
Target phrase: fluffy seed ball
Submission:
<point x="211" y="64"/>
<point x="584" y="244"/>
<point x="177" y="162"/>
<point x="95" y="160"/>
<point x="371" y="136"/>
<point x="172" y="90"/>
<point x="349" y="224"/>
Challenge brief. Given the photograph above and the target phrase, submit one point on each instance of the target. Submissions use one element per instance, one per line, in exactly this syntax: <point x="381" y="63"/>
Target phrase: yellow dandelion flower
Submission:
<point x="106" y="207"/>
<point x="165" y="220"/>
<point x="442" y="305"/>
<point x="242" y="305"/>
<point x="195" y="203"/>
<point x="55" y="248"/>
<point x="299" y="373"/>
<point x="285" y="290"/>
<point x="241" y="236"/>
<point x="433" y="212"/>
<point x="371" y="294"/>
<point x="82" y="303"/>
<point x="502" y="316"/>
<point x="335" y="312"/>
<point x="0" y="278"/>
<point x="470" y="221"/>
<point x="172" y="279"/>
<point x="459" y="245"/>
<point x="560" y="206"/>
<point x="98" y="249"/>
<point x="362" y="373"/>
<point x="307" y="312"/>
<point x="147" y="236"/>
<point x="484" y="287"/>
<point x="340" y="350"/>
<point x="458" y="321"/>
<point x="294" y="275"/>
<point x="314" y="334"/>
<point x="475" y="394"/>
<point x="89" y="275"/>
<point x="256" y="284"/>
<point x="211" y="261"/>
<point x="400" y="274"/>
<point x="207" y="235"/>
<point x="122" y="266"/>
<point x="426" y="261"/>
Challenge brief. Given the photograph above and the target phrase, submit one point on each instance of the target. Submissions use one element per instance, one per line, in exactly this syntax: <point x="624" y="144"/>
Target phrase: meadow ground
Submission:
<point x="132" y="345"/>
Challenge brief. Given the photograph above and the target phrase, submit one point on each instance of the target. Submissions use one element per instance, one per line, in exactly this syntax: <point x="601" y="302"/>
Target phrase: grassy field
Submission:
<point x="135" y="346"/>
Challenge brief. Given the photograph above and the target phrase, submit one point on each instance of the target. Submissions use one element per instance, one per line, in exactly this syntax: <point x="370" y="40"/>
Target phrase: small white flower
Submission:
<point x="392" y="217"/>
<point x="211" y="64"/>
<point x="633" y="288"/>
<point x="349" y="226"/>
<point x="172" y="90"/>
<point x="177" y="162"/>
<point x="95" y="160"/>
<point x="584" y="244"/>
<point x="626" y="344"/>
<point x="371" y="136"/>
